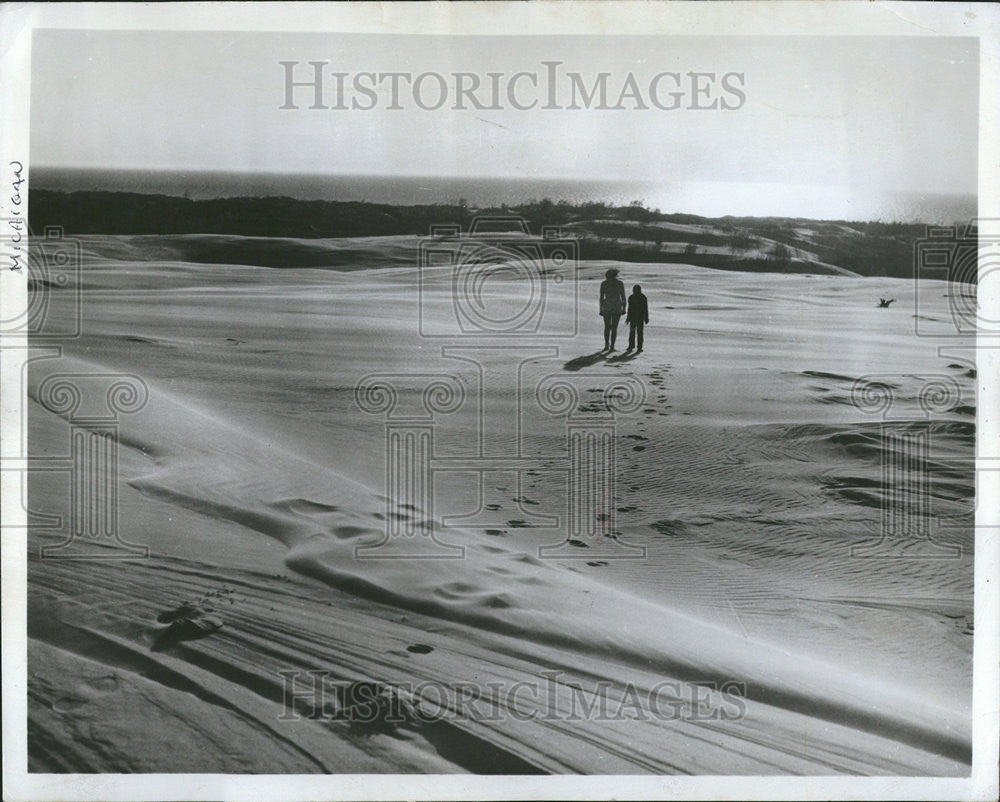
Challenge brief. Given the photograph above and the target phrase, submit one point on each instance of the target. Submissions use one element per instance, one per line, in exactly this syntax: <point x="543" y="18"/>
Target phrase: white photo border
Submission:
<point x="545" y="18"/>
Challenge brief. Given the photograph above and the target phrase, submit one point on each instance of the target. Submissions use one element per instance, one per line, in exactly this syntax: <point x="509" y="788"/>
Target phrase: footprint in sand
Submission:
<point x="454" y="590"/>
<point x="479" y="597"/>
<point x="187" y="629"/>
<point x="188" y="621"/>
<point x="85" y="691"/>
<point x="304" y="506"/>
<point x="67" y="704"/>
<point x="351" y="532"/>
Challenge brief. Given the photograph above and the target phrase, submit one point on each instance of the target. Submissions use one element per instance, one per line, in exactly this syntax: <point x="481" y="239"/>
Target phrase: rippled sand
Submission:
<point x="744" y="473"/>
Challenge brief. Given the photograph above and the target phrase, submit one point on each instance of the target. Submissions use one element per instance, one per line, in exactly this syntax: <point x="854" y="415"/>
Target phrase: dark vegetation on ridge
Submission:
<point x="628" y="233"/>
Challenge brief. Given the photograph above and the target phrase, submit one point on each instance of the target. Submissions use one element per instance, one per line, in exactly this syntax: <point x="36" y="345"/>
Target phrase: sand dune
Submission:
<point x="344" y="253"/>
<point x="747" y="473"/>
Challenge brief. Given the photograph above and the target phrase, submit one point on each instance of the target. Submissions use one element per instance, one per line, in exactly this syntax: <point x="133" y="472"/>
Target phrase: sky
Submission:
<point x="827" y="123"/>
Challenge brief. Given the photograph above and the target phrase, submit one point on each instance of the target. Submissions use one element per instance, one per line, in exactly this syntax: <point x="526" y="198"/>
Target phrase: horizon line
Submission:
<point x="478" y="177"/>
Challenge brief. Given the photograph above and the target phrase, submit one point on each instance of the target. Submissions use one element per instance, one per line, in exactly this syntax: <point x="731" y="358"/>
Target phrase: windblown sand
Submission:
<point x="746" y="475"/>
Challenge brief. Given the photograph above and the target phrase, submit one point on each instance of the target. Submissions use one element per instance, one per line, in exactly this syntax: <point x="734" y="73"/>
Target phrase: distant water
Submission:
<point x="708" y="199"/>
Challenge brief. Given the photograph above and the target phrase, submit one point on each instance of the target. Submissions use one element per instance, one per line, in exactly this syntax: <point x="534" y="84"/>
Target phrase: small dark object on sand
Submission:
<point x="187" y="622"/>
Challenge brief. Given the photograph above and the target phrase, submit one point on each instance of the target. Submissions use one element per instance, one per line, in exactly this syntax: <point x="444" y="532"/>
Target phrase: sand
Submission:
<point x="252" y="475"/>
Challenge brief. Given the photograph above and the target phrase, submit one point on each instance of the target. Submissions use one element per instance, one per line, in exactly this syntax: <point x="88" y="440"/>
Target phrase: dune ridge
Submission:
<point x="211" y="468"/>
<point x="747" y="474"/>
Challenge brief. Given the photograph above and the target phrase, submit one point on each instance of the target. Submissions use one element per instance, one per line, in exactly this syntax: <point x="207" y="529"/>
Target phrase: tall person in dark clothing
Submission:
<point x="612" y="302"/>
<point x="637" y="317"/>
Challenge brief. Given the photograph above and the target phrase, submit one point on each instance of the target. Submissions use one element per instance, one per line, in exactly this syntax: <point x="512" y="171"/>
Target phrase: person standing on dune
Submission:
<point x="612" y="303"/>
<point x="637" y="317"/>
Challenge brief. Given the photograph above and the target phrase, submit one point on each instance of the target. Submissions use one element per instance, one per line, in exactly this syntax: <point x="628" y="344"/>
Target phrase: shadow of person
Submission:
<point x="627" y="356"/>
<point x="584" y="361"/>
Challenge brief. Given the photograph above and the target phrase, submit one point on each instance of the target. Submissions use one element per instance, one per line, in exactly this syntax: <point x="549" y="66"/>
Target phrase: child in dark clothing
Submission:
<point x="637" y="317"/>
